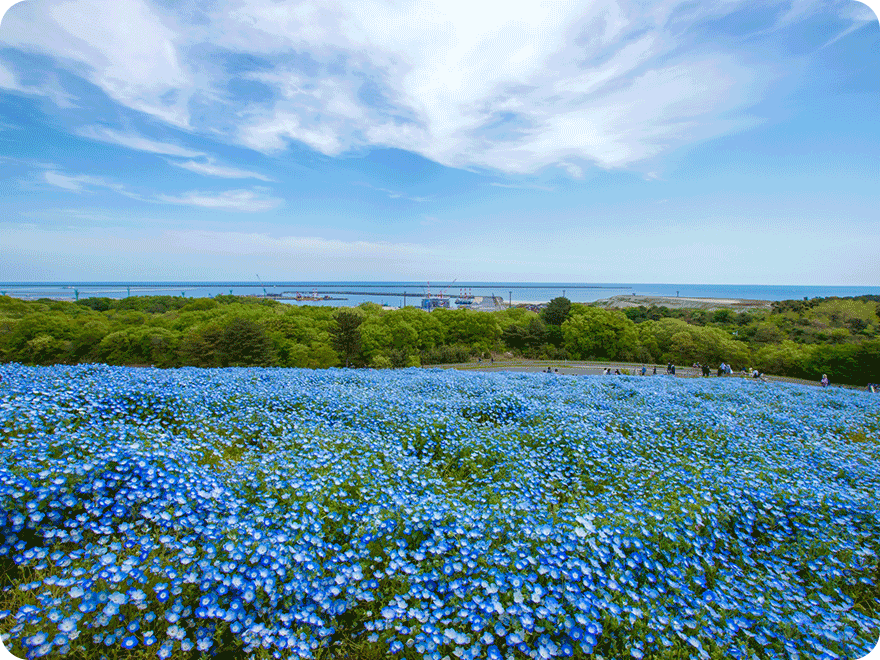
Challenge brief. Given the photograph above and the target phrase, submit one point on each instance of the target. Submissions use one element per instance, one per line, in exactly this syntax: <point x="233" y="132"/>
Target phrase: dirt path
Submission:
<point x="588" y="368"/>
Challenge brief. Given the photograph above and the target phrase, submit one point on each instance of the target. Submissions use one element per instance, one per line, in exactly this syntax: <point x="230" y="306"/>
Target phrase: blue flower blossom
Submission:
<point x="450" y="513"/>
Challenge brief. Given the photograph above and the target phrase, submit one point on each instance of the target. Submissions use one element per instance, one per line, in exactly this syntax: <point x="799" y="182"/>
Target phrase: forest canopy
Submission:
<point x="804" y="339"/>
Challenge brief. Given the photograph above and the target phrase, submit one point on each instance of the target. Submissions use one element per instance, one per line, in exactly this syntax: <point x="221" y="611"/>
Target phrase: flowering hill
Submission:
<point x="284" y="513"/>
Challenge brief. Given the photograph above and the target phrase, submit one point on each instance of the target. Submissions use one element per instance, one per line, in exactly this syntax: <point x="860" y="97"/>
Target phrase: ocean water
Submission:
<point x="396" y="294"/>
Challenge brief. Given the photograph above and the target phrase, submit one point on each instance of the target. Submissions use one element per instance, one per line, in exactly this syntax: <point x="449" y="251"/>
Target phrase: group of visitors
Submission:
<point x="724" y="369"/>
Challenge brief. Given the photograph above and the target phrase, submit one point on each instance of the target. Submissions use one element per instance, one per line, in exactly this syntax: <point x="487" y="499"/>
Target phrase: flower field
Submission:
<point x="285" y="513"/>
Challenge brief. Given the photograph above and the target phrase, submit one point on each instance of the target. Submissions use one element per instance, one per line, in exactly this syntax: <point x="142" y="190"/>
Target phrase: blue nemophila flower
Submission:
<point x="674" y="504"/>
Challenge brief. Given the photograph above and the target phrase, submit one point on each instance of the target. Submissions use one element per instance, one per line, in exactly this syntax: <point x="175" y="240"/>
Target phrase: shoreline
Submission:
<point x="675" y="302"/>
<point x="672" y="302"/>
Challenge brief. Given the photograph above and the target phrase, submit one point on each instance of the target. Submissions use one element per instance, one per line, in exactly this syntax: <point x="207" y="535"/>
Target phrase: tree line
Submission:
<point x="837" y="336"/>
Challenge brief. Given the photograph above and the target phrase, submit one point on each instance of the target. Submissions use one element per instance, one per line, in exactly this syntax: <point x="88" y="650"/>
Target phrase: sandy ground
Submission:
<point x="586" y="368"/>
<point x="674" y="302"/>
<point x="567" y="368"/>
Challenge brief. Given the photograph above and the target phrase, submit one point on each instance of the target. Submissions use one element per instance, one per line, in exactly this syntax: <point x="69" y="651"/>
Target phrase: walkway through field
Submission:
<point x="590" y="368"/>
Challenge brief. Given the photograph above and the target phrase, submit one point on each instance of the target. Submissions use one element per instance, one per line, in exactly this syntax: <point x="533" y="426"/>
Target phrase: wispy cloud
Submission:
<point x="157" y="254"/>
<point x="137" y="142"/>
<point x="394" y="194"/>
<point x="248" y="201"/>
<point x="211" y="169"/>
<point x="29" y="162"/>
<point x="861" y="14"/>
<point x="600" y="84"/>
<point x="79" y="183"/>
<point x="50" y="87"/>
<point x="72" y="215"/>
<point x="128" y="48"/>
<point x="571" y="85"/>
<point x="522" y="186"/>
<point x="315" y="246"/>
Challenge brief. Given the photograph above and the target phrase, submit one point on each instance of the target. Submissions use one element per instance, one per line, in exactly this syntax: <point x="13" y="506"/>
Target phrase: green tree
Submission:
<point x="46" y="349"/>
<point x="322" y="356"/>
<point x="556" y="311"/>
<point x="526" y="338"/>
<point x="705" y="345"/>
<point x="201" y="347"/>
<point x="399" y="358"/>
<point x="17" y="342"/>
<point x="854" y="364"/>
<point x="763" y="332"/>
<point x="115" y="348"/>
<point x="600" y="333"/>
<point x="650" y="349"/>
<point x="244" y="343"/>
<point x="84" y="345"/>
<point x="298" y="355"/>
<point x="637" y="314"/>
<point x="345" y="335"/>
<point x="783" y="359"/>
<point x="97" y="304"/>
<point x="427" y="326"/>
<point x="156" y="346"/>
<point x="466" y="326"/>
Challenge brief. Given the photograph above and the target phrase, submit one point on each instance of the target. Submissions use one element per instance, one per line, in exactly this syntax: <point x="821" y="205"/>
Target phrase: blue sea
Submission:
<point x="396" y="294"/>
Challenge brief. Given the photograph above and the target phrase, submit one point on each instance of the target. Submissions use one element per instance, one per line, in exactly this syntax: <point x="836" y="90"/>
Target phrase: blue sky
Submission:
<point x="604" y="141"/>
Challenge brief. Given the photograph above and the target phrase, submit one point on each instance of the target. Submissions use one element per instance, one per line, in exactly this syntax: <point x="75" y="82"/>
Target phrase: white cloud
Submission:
<point x="860" y="14"/>
<point x="249" y="201"/>
<point x="316" y="247"/>
<point x="513" y="87"/>
<point x="27" y="161"/>
<point x="569" y="86"/>
<point x="269" y="131"/>
<point x="136" y="142"/>
<point x="76" y="214"/>
<point x="108" y="252"/>
<point x="522" y="186"/>
<point x="50" y="87"/>
<point x="157" y="250"/>
<point x="8" y="80"/>
<point x="394" y="194"/>
<point x="78" y="183"/>
<point x="127" y="48"/>
<point x="210" y="169"/>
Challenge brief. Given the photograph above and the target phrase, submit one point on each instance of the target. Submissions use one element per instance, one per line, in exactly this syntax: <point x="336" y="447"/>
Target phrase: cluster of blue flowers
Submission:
<point x="428" y="514"/>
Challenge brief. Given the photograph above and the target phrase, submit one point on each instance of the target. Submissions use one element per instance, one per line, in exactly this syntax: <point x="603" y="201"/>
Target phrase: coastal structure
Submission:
<point x="433" y="302"/>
